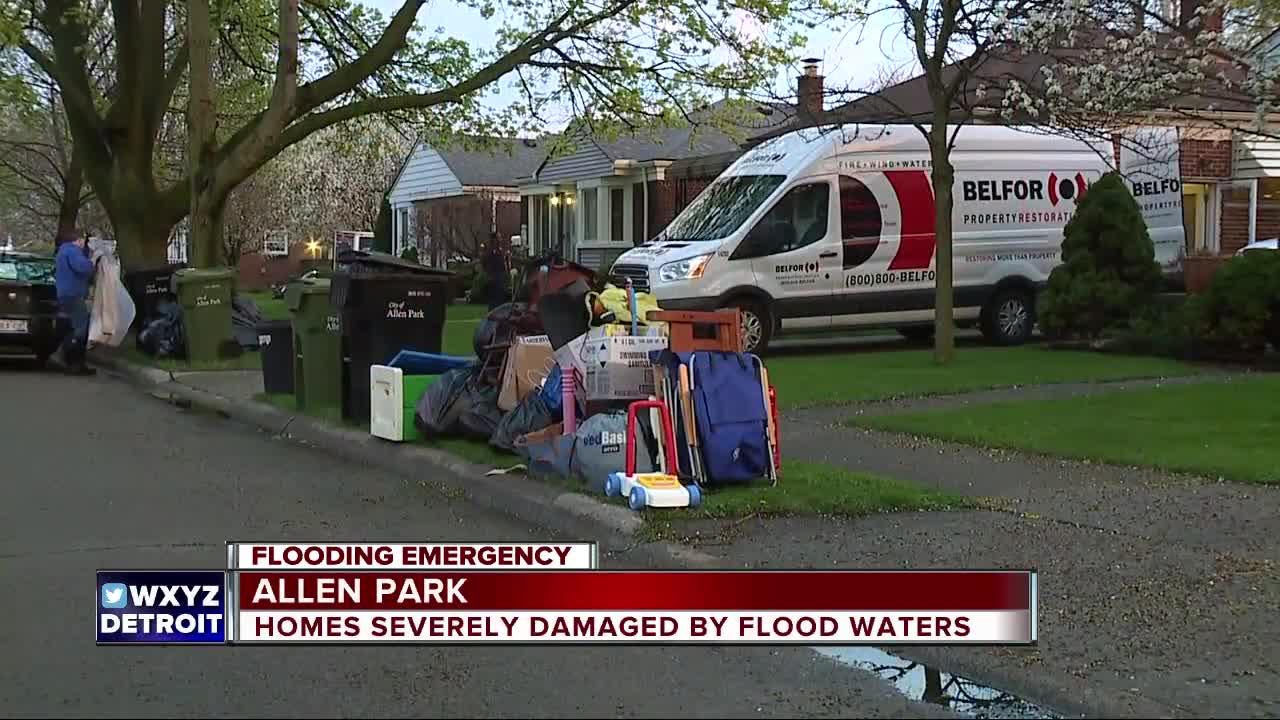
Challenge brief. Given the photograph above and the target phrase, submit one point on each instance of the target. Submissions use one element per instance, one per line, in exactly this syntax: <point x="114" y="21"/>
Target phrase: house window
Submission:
<point x="859" y="221"/>
<point x="403" y="236"/>
<point x="617" y="216"/>
<point x="590" y="216"/>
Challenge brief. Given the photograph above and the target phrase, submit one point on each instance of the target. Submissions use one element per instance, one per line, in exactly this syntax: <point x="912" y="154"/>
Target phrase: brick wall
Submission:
<point x="1235" y="220"/>
<point x="1235" y="217"/>
<point x="1205" y="158"/>
<point x="668" y="197"/>
<point x="259" y="272"/>
<point x="1269" y="214"/>
<point x="508" y="220"/>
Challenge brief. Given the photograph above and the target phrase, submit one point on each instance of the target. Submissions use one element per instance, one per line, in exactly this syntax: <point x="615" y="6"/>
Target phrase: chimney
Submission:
<point x="1195" y="19"/>
<point x="809" y="90"/>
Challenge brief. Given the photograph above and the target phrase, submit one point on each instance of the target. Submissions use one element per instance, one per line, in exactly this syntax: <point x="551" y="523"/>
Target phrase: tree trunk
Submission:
<point x="69" y="206"/>
<point x="206" y="207"/>
<point x="943" y="179"/>
<point x="933" y="686"/>
<point x="142" y="236"/>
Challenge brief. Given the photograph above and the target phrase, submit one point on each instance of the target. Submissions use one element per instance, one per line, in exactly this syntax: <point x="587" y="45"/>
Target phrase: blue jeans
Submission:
<point x="76" y="311"/>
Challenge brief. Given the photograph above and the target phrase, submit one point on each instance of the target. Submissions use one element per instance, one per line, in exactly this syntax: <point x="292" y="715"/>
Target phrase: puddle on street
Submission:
<point x="928" y="684"/>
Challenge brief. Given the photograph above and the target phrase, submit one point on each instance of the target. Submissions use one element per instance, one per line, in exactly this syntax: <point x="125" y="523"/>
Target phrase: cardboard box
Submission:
<point x="572" y="357"/>
<point x="618" y="367"/>
<point x="528" y="362"/>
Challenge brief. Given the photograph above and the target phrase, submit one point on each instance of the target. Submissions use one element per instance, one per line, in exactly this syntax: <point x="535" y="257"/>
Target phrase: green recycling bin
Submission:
<point x="205" y="296"/>
<point x="317" y="346"/>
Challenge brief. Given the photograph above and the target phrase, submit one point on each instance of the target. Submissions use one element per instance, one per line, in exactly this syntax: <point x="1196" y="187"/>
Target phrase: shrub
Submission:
<point x="1241" y="307"/>
<point x="1108" y="271"/>
<point x="410" y="253"/>
<point x="1162" y="329"/>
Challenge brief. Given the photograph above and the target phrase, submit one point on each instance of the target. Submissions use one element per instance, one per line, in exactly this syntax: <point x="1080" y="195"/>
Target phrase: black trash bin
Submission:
<point x="275" y="342"/>
<point x="148" y="288"/>
<point x="384" y="312"/>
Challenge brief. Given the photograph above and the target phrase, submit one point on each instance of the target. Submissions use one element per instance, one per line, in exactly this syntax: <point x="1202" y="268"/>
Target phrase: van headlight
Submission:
<point x="684" y="269"/>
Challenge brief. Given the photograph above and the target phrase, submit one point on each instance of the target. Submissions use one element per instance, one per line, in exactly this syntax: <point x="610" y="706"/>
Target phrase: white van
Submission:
<point x="834" y="228"/>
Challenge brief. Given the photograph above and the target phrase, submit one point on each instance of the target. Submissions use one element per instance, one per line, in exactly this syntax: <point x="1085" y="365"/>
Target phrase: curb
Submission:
<point x="536" y="503"/>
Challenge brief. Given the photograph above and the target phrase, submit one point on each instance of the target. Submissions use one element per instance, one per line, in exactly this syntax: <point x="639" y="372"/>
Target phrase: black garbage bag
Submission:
<point x="481" y="415"/>
<point x="439" y="408"/>
<point x="245" y="318"/>
<point x="164" y="336"/>
<point x="531" y="415"/>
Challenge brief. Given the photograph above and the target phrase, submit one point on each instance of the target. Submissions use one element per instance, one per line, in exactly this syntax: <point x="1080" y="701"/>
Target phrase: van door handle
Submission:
<point x="828" y="255"/>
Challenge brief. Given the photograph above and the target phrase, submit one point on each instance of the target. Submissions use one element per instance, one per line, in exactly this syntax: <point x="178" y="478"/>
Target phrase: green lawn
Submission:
<point x="840" y="378"/>
<point x="1228" y="429"/>
<point x="460" y="328"/>
<point x="272" y="308"/>
<point x="815" y="488"/>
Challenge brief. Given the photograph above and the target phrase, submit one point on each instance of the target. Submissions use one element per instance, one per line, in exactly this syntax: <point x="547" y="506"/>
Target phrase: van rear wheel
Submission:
<point x="755" y="325"/>
<point x="1008" y="317"/>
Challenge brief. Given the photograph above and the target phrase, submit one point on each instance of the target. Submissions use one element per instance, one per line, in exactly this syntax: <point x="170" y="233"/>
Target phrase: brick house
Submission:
<point x="446" y="200"/>
<point x="1230" y="176"/>
<point x="591" y="199"/>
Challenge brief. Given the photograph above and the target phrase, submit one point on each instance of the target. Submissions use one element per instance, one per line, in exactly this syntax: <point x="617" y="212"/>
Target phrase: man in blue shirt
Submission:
<point x="72" y="272"/>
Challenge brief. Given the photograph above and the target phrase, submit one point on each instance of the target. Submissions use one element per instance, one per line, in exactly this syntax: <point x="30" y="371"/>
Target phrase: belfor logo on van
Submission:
<point x="1058" y="189"/>
<point x="1065" y="189"/>
<point x="809" y="267"/>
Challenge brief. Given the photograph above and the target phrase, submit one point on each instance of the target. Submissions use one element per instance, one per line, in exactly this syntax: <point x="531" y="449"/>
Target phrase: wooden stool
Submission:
<point x="680" y="332"/>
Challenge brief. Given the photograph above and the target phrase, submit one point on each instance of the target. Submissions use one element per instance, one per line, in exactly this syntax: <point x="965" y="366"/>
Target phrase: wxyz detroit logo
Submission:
<point x="1006" y="257"/>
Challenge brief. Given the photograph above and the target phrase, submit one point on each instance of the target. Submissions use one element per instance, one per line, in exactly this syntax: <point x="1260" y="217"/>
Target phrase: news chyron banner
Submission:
<point x="533" y="594"/>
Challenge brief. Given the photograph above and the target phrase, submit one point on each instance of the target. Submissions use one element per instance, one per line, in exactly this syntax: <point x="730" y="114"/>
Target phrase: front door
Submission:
<point x="1195" y="217"/>
<point x="795" y="255"/>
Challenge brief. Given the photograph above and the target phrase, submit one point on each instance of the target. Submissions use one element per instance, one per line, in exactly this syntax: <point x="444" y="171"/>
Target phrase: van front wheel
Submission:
<point x="1008" y="317"/>
<point x="755" y="325"/>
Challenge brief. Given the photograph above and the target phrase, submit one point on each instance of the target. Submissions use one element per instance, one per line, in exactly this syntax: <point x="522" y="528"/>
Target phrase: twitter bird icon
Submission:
<point x="115" y="595"/>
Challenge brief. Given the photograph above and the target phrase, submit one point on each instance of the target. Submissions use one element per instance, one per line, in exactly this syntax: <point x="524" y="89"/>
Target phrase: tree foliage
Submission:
<point x="617" y="62"/>
<point x="1108" y="271"/>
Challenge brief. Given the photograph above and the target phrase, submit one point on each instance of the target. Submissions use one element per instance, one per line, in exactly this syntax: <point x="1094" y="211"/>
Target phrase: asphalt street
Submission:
<point x="94" y="474"/>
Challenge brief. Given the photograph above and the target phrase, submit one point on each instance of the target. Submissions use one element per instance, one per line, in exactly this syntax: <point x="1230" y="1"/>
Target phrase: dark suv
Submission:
<point x="28" y="306"/>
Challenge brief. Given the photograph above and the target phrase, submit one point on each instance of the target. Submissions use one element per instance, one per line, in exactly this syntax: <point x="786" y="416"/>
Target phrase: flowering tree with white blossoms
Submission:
<point x="1087" y="68"/>
<point x="332" y="181"/>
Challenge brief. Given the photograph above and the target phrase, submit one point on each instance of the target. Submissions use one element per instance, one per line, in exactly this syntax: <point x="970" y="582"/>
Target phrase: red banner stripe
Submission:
<point x="919" y="238"/>
<point x="641" y="590"/>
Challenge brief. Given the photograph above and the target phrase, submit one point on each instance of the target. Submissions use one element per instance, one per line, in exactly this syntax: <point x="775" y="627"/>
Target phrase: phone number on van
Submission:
<point x="887" y="278"/>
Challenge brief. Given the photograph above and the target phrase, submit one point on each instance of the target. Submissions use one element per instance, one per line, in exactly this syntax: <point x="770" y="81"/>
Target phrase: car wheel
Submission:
<point x="1008" y="317"/>
<point x="755" y="325"/>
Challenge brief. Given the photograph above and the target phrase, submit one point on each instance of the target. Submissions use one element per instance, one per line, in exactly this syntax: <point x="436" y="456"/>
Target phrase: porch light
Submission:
<point x="313" y="247"/>
<point x="568" y="199"/>
<point x="555" y="199"/>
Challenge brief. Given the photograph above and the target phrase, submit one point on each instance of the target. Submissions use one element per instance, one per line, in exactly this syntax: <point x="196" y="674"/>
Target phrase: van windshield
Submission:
<point x="722" y="207"/>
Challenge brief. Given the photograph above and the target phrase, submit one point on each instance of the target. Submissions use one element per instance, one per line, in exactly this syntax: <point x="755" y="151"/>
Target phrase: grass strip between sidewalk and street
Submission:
<point x="805" y="488"/>
<point x="841" y="378"/>
<point x="1223" y="430"/>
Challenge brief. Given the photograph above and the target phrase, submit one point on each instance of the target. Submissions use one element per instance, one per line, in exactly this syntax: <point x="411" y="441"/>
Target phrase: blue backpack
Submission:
<point x="731" y="417"/>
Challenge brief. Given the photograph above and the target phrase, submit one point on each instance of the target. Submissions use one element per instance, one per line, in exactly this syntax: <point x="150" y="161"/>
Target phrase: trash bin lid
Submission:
<point x="358" y="261"/>
<point x="186" y="275"/>
<point x="294" y="293"/>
